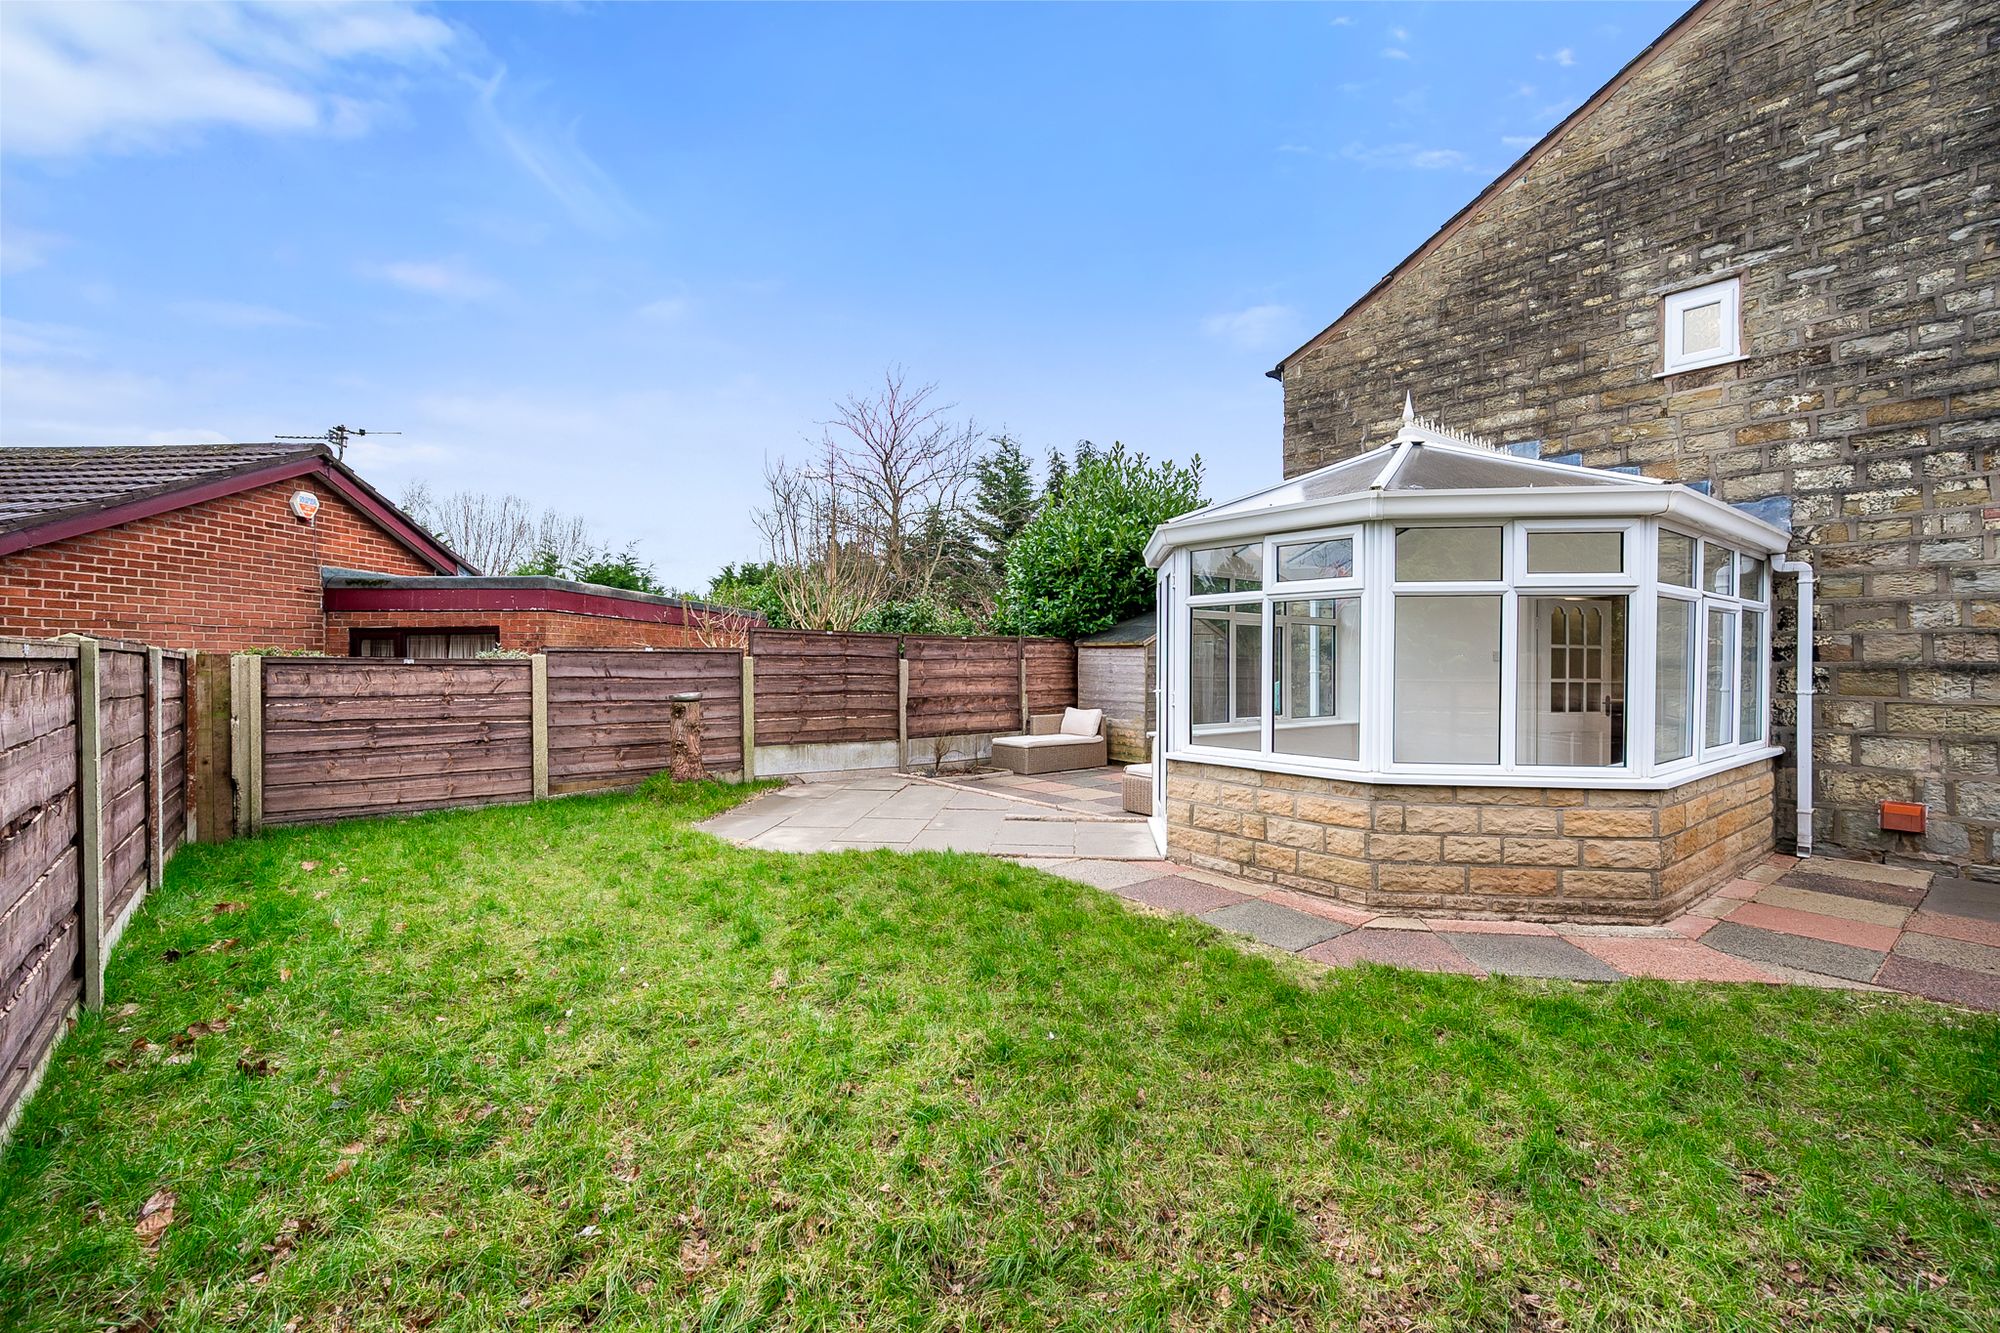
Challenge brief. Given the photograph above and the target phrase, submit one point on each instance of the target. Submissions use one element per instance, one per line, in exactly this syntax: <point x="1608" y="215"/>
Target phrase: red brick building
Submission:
<point x="223" y="547"/>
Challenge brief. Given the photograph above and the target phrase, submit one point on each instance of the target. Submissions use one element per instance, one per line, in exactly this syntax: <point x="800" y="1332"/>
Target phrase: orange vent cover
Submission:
<point x="1902" y="817"/>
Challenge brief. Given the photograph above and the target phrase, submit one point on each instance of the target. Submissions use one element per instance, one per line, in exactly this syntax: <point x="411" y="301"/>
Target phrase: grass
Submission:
<point x="577" y="1065"/>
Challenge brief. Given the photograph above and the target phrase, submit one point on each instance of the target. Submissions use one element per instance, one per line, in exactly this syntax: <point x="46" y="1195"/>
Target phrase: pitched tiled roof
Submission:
<point x="37" y="485"/>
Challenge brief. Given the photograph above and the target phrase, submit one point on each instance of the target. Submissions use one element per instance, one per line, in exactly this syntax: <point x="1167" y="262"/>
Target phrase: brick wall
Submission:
<point x="1520" y="852"/>
<point x="1842" y="159"/>
<point x="236" y="572"/>
<point x="532" y="631"/>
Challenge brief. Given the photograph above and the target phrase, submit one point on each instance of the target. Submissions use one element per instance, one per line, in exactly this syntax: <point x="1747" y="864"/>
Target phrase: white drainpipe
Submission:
<point x="1804" y="694"/>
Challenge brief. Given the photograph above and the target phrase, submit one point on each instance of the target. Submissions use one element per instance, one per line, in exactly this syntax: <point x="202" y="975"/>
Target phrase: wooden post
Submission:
<point x="538" y="694"/>
<point x="210" y="750"/>
<point x="190" y="825"/>
<point x="246" y="738"/>
<point x="684" y="759"/>
<point x="90" y="819"/>
<point x="902" y="712"/>
<point x="1021" y="647"/>
<point x="156" y="795"/>
<point x="749" y="717"/>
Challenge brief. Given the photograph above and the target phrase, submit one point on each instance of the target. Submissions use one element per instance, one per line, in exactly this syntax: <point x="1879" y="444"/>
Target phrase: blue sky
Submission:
<point x="612" y="258"/>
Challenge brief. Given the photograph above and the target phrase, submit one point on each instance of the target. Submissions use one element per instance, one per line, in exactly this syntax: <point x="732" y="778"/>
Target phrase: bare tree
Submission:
<point x="499" y="534"/>
<point x="906" y="461"/>
<point x="826" y="567"/>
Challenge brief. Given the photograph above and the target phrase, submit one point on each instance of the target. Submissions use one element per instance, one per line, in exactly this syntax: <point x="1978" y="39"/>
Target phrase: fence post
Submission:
<point x="190" y="827"/>
<point x="1021" y="650"/>
<point x="902" y="712"/>
<point x="684" y="760"/>
<point x="538" y="695"/>
<point x="156" y="796"/>
<point x="246" y="736"/>
<point x="90" y="820"/>
<point x="749" y="717"/>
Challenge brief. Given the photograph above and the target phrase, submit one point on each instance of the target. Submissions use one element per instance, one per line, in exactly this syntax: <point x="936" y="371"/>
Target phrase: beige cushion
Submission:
<point x="1038" y="742"/>
<point x="1082" y="721"/>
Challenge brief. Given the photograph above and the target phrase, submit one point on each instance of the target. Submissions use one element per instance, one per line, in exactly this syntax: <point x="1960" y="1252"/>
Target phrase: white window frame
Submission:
<point x="1374" y="553"/>
<point x="1728" y="292"/>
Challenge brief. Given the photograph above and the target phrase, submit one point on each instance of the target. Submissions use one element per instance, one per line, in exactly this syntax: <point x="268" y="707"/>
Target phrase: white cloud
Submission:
<point x="1518" y="140"/>
<point x="1253" y="327"/>
<point x="1414" y="157"/>
<point x="1294" y="148"/>
<point x="1341" y="21"/>
<point x="1564" y="57"/>
<point x="447" y="278"/>
<point x="1395" y="53"/>
<point x="25" y="338"/>
<point x="666" y="310"/>
<point x="1524" y="90"/>
<point x="547" y="150"/>
<point x="119" y="77"/>
<point x="1399" y="34"/>
<point x="22" y="249"/>
<point x="240" y="315"/>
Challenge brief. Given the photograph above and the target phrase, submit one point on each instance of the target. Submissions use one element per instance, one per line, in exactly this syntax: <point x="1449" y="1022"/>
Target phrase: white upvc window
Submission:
<point x="1702" y="326"/>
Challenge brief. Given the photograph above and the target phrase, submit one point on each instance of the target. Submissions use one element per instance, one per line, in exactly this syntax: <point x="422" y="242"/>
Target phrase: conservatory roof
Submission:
<point x="1430" y="472"/>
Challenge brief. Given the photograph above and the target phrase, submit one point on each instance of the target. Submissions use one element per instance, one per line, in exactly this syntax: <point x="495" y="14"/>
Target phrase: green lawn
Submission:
<point x="576" y="1065"/>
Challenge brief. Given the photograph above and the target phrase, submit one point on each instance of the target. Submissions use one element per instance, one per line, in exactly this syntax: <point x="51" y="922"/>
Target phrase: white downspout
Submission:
<point x="1804" y="694"/>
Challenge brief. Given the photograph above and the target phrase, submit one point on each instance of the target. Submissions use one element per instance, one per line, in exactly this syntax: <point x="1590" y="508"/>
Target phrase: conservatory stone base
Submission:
<point x="1527" y="853"/>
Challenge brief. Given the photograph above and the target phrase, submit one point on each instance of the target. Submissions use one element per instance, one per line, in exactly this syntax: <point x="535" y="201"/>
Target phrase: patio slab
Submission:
<point x="1813" y="926"/>
<point x="1794" y="951"/>
<point x="1964" y="897"/>
<point x="1965" y="955"/>
<point x="1419" y="949"/>
<point x="1175" y="893"/>
<point x="1279" y="927"/>
<point x="1869" y="910"/>
<point x="1947" y="985"/>
<point x="1530" y="956"/>
<point x="1673" y="960"/>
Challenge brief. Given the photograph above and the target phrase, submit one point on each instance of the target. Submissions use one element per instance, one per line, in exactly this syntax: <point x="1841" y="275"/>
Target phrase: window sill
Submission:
<point x="1447" y="776"/>
<point x="1701" y="365"/>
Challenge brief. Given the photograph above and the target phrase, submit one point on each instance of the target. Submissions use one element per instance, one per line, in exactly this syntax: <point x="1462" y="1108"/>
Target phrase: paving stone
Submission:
<point x="1955" y="927"/>
<point x="1673" y="960"/>
<point x="1740" y="888"/>
<point x="1798" y="951"/>
<point x="1867" y="871"/>
<point x="1177" y="893"/>
<point x="1964" y="897"/>
<point x="1110" y="874"/>
<point x="1832" y="929"/>
<point x="1835" y="904"/>
<point x="1466" y="927"/>
<point x="885" y="831"/>
<point x="1038" y="832"/>
<point x="1691" y="927"/>
<point x="1313" y="905"/>
<point x="1903" y="895"/>
<point x="1963" y="954"/>
<point x="1399" y="923"/>
<point x="1936" y="981"/>
<point x="1279" y="927"/>
<point x="1530" y="956"/>
<point x="1419" y="949"/>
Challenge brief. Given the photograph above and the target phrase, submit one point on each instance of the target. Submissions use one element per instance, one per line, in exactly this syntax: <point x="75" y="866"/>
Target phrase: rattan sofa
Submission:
<point x="1046" y="749"/>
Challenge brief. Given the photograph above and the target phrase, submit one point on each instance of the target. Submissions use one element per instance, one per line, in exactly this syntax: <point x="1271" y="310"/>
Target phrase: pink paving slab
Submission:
<point x="1832" y="929"/>
<point x="1669" y="960"/>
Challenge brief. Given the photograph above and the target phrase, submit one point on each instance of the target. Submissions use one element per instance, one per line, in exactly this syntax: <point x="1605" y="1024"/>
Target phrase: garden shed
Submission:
<point x="1439" y="675"/>
<point x="1115" y="671"/>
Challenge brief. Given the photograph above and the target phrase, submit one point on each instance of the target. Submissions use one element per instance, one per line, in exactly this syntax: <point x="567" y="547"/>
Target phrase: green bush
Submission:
<point x="1079" y="566"/>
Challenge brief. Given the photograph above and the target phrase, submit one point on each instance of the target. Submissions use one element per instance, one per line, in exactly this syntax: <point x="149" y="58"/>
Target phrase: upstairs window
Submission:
<point x="1703" y="326"/>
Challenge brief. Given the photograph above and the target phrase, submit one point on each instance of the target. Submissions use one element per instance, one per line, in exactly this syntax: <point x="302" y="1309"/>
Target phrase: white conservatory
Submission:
<point x="1440" y="675"/>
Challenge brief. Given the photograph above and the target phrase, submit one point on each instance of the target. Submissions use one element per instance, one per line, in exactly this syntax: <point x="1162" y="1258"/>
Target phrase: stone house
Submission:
<point x="1760" y="264"/>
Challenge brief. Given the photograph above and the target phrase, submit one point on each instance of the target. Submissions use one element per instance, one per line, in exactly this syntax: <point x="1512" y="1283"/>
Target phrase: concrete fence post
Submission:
<point x="902" y="712"/>
<point x="90" y="819"/>
<point x="749" y="717"/>
<point x="538" y="706"/>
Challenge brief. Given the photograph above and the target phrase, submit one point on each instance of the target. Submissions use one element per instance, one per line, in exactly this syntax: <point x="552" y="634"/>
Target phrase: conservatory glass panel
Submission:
<point x="1571" y="703"/>
<point x="1673" y="681"/>
<point x="1328" y="558"/>
<point x="1228" y="569"/>
<point x="1576" y="552"/>
<point x="1750" y="693"/>
<point x="1447" y="679"/>
<point x="1316" y="680"/>
<point x="1676" y="559"/>
<point x="1447" y="555"/>
<point x="1718" y="569"/>
<point x="1720" y="679"/>
<point x="1225" y="675"/>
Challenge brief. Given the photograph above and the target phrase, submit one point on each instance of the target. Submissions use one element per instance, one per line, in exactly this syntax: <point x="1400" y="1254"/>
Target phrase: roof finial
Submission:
<point x="1409" y="408"/>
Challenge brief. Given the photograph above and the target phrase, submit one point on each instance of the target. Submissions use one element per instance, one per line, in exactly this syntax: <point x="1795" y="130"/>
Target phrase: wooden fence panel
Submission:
<point x="1051" y="675"/>
<point x="608" y="713"/>
<point x="173" y="751"/>
<point x="961" y="685"/>
<point x="211" y="782"/>
<point x="820" y="688"/>
<point x="39" y="881"/>
<point x="348" y="736"/>
<point x="123" y="732"/>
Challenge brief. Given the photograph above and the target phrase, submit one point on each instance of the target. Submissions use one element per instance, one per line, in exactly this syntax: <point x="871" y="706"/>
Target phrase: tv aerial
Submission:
<point x="338" y="437"/>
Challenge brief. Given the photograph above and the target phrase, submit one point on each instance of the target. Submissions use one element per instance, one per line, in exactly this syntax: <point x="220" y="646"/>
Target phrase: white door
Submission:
<point x="1575" y="683"/>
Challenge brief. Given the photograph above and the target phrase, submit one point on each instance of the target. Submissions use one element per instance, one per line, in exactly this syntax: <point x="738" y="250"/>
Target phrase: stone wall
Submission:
<point x="1843" y="159"/>
<point x="1521" y="852"/>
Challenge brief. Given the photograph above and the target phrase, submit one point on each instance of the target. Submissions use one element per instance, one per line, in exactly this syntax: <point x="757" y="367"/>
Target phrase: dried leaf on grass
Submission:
<point x="155" y="1216"/>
